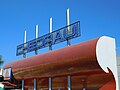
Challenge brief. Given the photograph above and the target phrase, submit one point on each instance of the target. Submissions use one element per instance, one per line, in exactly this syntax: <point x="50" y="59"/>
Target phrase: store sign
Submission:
<point x="63" y="34"/>
<point x="7" y="74"/>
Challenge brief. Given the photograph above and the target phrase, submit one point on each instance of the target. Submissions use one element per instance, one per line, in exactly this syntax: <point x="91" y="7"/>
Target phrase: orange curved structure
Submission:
<point x="79" y="61"/>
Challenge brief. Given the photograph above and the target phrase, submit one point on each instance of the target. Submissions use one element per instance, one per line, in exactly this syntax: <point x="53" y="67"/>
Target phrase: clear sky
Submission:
<point x="97" y="18"/>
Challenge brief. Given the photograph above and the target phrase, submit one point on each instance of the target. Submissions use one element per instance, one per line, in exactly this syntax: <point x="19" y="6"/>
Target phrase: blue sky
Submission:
<point x="97" y="18"/>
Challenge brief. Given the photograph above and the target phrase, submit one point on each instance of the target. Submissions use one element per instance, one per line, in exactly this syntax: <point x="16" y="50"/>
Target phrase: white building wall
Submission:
<point x="118" y="67"/>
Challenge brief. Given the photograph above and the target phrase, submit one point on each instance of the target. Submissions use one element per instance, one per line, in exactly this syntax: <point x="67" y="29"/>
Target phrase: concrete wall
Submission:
<point x="118" y="66"/>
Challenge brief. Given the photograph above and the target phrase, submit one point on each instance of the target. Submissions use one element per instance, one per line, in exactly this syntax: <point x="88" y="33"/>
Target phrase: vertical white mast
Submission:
<point x="51" y="25"/>
<point x="36" y="36"/>
<point x="50" y="29"/>
<point x="36" y="31"/>
<point x="68" y="43"/>
<point x="68" y="17"/>
<point x="25" y="40"/>
<point x="24" y="55"/>
<point x="36" y="52"/>
<point x="25" y="37"/>
<point x="50" y="49"/>
<point x="68" y="23"/>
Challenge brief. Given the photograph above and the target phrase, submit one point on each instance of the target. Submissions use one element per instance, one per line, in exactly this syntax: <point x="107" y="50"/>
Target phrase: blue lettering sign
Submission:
<point x="57" y="37"/>
<point x="40" y="43"/>
<point x="48" y="40"/>
<point x="20" y="49"/>
<point x="63" y="34"/>
<point x="32" y="45"/>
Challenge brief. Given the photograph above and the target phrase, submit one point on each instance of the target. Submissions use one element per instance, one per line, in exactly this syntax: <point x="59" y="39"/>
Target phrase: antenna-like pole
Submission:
<point x="51" y="25"/>
<point x="25" y="37"/>
<point x="36" y="52"/>
<point x="25" y="40"/>
<point x="68" y="43"/>
<point x="68" y="16"/>
<point x="36" y="35"/>
<point x="24" y="55"/>
<point x="68" y="23"/>
<point x="50" y="49"/>
<point x="50" y="46"/>
<point x="36" y="31"/>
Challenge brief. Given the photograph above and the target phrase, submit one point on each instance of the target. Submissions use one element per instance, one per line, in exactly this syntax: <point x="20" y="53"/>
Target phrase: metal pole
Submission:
<point x="25" y="40"/>
<point x="50" y="83"/>
<point x="68" y="23"/>
<point x="24" y="55"/>
<point x="25" y="37"/>
<point x="36" y="52"/>
<point x="50" y="46"/>
<point x="50" y="49"/>
<point x="69" y="83"/>
<point x="35" y="84"/>
<point x="36" y="35"/>
<point x="22" y="84"/>
<point x="51" y="25"/>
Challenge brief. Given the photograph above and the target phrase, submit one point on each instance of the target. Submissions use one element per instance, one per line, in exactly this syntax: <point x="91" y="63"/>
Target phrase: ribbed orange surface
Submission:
<point x="69" y="60"/>
<point x="78" y="60"/>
